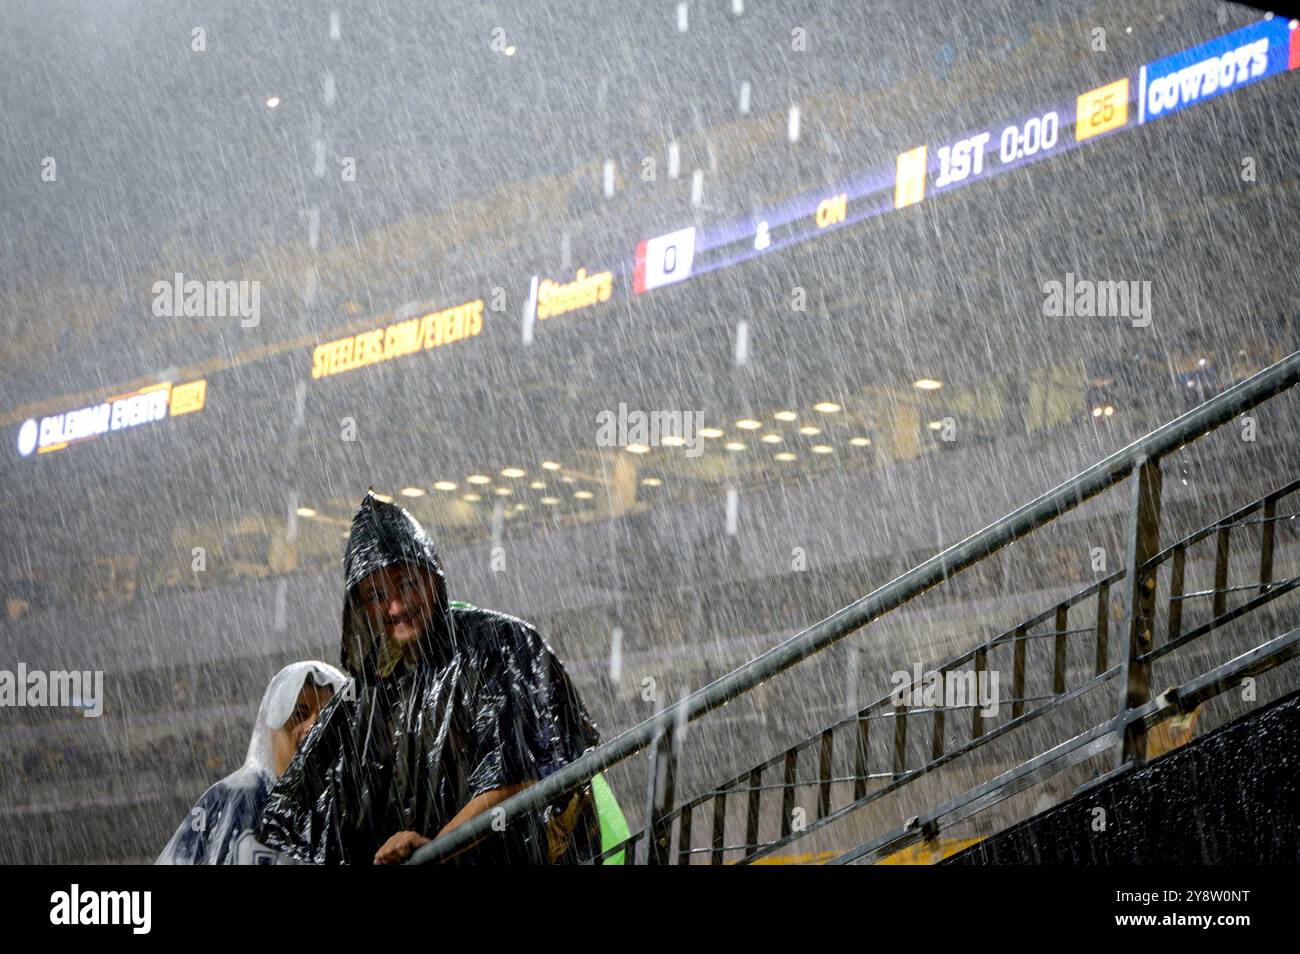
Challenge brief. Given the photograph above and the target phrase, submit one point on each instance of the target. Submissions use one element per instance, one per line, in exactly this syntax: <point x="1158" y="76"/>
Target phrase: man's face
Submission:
<point x="286" y="739"/>
<point x="398" y="601"/>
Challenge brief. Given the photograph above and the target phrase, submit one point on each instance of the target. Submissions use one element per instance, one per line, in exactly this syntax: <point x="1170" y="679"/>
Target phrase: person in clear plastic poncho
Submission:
<point x="452" y="709"/>
<point x="220" y="829"/>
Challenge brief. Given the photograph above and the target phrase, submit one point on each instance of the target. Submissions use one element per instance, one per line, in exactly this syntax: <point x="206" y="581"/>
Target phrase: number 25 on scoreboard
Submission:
<point x="1101" y="110"/>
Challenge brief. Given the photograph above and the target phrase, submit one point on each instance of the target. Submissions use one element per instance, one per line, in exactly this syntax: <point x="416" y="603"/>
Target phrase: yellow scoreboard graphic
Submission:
<point x="909" y="180"/>
<point x="1101" y="110"/>
<point x="187" y="398"/>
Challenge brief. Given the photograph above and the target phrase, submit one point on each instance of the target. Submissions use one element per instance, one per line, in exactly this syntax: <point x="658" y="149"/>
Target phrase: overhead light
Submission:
<point x="809" y="431"/>
<point x="479" y="479"/>
<point x="550" y="501"/>
<point x="583" y="494"/>
<point x="520" y="506"/>
<point x="637" y="449"/>
<point x="823" y="449"/>
<point x="860" y="441"/>
<point x="503" y="491"/>
<point x="272" y="102"/>
<point x="472" y="498"/>
<point x="735" y="446"/>
<point x="1096" y="412"/>
<point x="936" y="425"/>
<point x="927" y="384"/>
<point x="772" y="438"/>
<point x="748" y="424"/>
<point x="565" y="478"/>
<point x="411" y="492"/>
<point x="827" y="407"/>
<point x="537" y="485"/>
<point x="710" y="432"/>
<point x="785" y="416"/>
<point x="305" y="512"/>
<point x="444" y="485"/>
<point x="550" y="465"/>
<point x="1109" y="410"/>
<point x="383" y="497"/>
<point x="513" y="472"/>
<point x="673" y="441"/>
<point x="651" y="482"/>
<point x="785" y="455"/>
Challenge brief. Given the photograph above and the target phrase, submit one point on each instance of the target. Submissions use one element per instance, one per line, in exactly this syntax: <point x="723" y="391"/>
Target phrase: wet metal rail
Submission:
<point x="1137" y="712"/>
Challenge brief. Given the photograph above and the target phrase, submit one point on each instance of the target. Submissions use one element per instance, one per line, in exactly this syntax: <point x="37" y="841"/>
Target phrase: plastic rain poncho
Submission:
<point x="220" y="829"/>
<point x="483" y="704"/>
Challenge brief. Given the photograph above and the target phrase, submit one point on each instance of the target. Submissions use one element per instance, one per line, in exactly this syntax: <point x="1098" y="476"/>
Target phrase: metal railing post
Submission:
<point x="1139" y="604"/>
<point x="659" y="796"/>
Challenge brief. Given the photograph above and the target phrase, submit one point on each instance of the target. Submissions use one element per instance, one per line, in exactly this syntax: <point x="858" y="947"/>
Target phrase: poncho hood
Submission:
<point x="385" y="535"/>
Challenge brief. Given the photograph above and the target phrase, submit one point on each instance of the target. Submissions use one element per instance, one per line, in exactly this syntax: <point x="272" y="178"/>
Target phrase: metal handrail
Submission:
<point x="1184" y="429"/>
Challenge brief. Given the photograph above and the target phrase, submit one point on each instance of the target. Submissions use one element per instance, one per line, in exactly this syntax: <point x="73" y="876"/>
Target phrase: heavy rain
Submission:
<point x="675" y="329"/>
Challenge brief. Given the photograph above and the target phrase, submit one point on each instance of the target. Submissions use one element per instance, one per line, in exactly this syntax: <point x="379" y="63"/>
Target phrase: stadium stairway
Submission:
<point x="1181" y="639"/>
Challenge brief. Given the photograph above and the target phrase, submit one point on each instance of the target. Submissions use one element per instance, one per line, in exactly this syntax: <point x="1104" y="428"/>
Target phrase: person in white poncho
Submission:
<point x="219" y="830"/>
